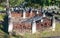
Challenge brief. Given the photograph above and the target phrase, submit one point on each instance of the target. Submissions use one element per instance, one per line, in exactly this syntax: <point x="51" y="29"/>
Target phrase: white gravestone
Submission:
<point x="41" y="20"/>
<point x="44" y="15"/>
<point x="34" y="27"/>
<point x="53" y="24"/>
<point x="10" y="26"/>
<point x="12" y="9"/>
<point x="24" y="14"/>
<point x="37" y="12"/>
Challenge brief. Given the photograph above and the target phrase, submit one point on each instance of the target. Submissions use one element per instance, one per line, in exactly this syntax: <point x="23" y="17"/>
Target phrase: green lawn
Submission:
<point x="2" y="17"/>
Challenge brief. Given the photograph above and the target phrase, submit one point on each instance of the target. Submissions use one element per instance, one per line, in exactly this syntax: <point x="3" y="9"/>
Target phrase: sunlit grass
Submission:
<point x="2" y="17"/>
<point x="2" y="8"/>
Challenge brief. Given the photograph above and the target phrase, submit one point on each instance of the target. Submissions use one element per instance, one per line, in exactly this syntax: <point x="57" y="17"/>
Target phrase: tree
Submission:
<point x="2" y="2"/>
<point x="39" y="2"/>
<point x="12" y="2"/>
<point x="31" y="3"/>
<point x="15" y="2"/>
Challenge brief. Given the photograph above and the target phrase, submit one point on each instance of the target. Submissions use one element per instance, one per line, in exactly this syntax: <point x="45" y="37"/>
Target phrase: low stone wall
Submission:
<point x="24" y="27"/>
<point x="28" y="15"/>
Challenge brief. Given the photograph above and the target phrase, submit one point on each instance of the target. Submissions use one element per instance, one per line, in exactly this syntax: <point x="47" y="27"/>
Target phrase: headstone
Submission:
<point x="41" y="20"/>
<point x="9" y="14"/>
<point x="44" y="15"/>
<point x="37" y="12"/>
<point x="34" y="27"/>
<point x="10" y="26"/>
<point x="12" y="9"/>
<point x="31" y="11"/>
<point x="53" y="24"/>
<point x="16" y="8"/>
<point x="24" y="15"/>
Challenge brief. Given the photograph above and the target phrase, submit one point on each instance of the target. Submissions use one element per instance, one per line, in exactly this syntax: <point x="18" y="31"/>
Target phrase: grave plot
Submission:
<point x="28" y="22"/>
<point x="22" y="27"/>
<point x="46" y="23"/>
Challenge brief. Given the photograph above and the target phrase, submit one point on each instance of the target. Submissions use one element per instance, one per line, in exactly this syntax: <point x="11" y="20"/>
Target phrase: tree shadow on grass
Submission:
<point x="5" y="24"/>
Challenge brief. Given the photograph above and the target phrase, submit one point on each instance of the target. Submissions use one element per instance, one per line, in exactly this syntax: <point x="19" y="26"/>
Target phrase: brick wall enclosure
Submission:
<point x="27" y="26"/>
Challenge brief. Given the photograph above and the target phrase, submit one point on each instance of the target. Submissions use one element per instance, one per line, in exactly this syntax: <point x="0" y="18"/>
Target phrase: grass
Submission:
<point x="2" y="17"/>
<point x="3" y="34"/>
<point x="52" y="33"/>
<point x="2" y="8"/>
